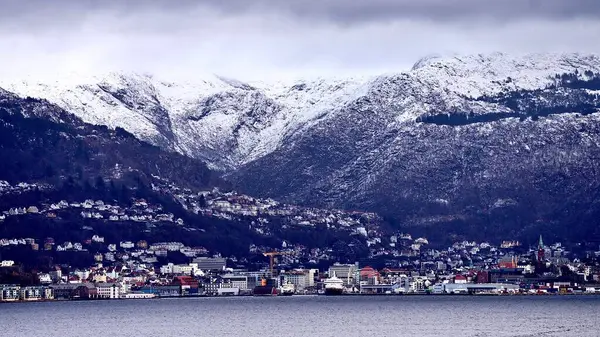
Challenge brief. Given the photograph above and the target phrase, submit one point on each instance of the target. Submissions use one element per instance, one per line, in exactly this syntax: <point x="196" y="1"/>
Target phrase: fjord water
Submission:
<point x="308" y="316"/>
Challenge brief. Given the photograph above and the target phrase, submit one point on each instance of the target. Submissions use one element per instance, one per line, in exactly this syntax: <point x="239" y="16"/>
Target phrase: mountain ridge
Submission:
<point x="249" y="120"/>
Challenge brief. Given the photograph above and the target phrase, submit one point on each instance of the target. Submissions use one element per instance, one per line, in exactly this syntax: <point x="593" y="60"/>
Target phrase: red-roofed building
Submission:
<point x="185" y="281"/>
<point x="508" y="262"/>
<point x="188" y="284"/>
<point x="370" y="275"/>
<point x="460" y="279"/>
<point x="483" y="277"/>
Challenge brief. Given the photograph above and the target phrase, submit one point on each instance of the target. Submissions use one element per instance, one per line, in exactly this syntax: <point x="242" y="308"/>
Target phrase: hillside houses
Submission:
<point x="232" y="206"/>
<point x="140" y="211"/>
<point x="266" y="217"/>
<point x="6" y="188"/>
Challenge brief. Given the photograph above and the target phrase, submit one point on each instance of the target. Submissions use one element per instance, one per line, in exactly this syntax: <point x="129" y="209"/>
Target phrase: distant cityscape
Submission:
<point x="134" y="269"/>
<point x="129" y="270"/>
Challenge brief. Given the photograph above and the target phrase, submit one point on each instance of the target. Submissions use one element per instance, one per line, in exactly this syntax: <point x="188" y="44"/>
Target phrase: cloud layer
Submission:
<point x="339" y="11"/>
<point x="276" y="38"/>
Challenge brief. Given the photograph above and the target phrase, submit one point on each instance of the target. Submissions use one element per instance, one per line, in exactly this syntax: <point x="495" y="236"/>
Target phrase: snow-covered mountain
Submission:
<point x="491" y="143"/>
<point x="453" y="139"/>
<point x="225" y="122"/>
<point x="229" y="123"/>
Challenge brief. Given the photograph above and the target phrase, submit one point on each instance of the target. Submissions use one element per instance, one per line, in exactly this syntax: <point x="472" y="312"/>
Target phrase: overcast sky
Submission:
<point x="256" y="39"/>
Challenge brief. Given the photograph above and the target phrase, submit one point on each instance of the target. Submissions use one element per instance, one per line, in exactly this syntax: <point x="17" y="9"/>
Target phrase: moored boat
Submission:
<point x="334" y="286"/>
<point x="267" y="287"/>
<point x="288" y="289"/>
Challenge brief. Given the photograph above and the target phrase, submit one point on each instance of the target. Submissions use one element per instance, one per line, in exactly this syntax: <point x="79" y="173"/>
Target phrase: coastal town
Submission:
<point x="396" y="263"/>
<point x="129" y="271"/>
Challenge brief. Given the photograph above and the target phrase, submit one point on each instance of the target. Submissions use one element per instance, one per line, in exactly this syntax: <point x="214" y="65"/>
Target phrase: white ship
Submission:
<point x="334" y="286"/>
<point x="287" y="289"/>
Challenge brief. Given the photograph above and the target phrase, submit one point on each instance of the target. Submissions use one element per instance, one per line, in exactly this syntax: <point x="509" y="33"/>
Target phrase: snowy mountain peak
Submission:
<point x="426" y="61"/>
<point x="537" y="61"/>
<point x="489" y="74"/>
<point x="229" y="123"/>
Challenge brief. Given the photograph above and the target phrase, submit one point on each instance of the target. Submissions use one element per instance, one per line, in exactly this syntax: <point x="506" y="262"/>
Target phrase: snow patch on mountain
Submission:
<point x="229" y="123"/>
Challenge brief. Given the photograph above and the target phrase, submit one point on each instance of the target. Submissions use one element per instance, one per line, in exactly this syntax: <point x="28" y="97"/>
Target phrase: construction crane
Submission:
<point x="272" y="255"/>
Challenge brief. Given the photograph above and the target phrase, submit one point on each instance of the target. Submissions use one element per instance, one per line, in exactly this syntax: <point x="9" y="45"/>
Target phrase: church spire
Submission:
<point x="541" y="253"/>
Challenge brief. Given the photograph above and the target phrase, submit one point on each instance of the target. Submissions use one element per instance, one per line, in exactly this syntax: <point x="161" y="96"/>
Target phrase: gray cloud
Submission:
<point x="360" y="11"/>
<point x="337" y="11"/>
<point x="255" y="39"/>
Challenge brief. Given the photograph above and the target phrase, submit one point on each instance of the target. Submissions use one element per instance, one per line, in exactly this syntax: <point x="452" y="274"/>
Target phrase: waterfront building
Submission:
<point x="189" y="285"/>
<point x="483" y="276"/>
<point x="137" y="295"/>
<point x="9" y="292"/>
<point x="235" y="281"/>
<point x="380" y="289"/>
<point x="368" y="275"/>
<point x="301" y="279"/>
<point x="228" y="291"/>
<point x="69" y="291"/>
<point x="469" y="288"/>
<point x="419" y="284"/>
<point x="254" y="279"/>
<point x="31" y="293"/>
<point x="345" y="272"/>
<point x="162" y="291"/>
<point x="211" y="288"/>
<point x="108" y="290"/>
<point x="506" y="275"/>
<point x="48" y="293"/>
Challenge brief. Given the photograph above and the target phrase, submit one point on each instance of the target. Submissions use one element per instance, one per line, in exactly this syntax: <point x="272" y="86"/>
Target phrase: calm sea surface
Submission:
<point x="308" y="316"/>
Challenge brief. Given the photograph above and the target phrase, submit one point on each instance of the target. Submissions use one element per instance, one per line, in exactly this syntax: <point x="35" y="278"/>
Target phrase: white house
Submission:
<point x="44" y="278"/>
<point x="108" y="290"/>
<point x="7" y="263"/>
<point x="127" y="244"/>
<point x="97" y="238"/>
